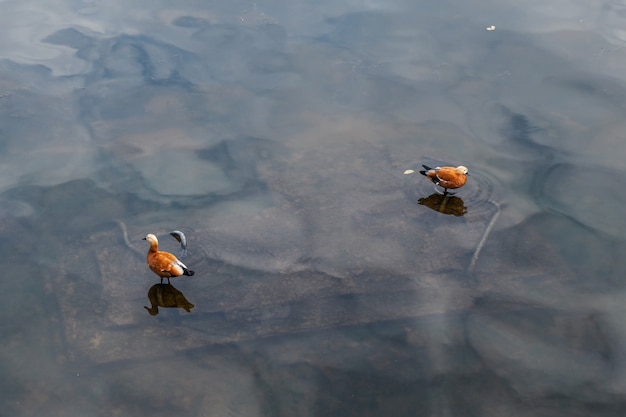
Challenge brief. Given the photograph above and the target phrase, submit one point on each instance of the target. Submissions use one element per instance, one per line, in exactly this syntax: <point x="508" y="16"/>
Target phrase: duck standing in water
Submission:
<point x="164" y="264"/>
<point x="446" y="177"/>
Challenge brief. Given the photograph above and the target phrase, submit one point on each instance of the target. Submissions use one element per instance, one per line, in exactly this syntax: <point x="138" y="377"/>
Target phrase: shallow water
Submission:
<point x="275" y="136"/>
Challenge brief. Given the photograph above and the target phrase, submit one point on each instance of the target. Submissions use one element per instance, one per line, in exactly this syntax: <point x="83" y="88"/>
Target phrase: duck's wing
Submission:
<point x="177" y="262"/>
<point x="446" y="174"/>
<point x="167" y="263"/>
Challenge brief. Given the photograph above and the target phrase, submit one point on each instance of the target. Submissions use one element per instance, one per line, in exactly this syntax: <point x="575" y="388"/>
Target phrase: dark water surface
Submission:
<point x="328" y="283"/>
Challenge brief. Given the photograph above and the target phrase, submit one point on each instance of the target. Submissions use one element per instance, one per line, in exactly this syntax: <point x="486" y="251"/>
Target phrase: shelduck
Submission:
<point x="164" y="264"/>
<point x="446" y="177"/>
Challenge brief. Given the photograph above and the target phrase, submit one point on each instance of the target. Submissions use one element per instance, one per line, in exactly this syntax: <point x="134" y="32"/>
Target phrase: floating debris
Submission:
<point x="180" y="237"/>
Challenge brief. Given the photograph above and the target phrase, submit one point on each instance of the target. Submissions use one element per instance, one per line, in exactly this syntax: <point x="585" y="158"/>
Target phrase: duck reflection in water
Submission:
<point x="445" y="204"/>
<point x="166" y="296"/>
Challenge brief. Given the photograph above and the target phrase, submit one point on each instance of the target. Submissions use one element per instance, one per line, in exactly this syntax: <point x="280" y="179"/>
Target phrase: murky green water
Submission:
<point x="328" y="283"/>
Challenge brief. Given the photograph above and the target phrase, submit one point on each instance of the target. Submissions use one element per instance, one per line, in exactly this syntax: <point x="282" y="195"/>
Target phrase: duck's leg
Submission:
<point x="438" y="190"/>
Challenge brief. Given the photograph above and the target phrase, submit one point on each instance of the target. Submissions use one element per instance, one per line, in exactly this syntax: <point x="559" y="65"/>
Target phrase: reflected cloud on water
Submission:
<point x="321" y="287"/>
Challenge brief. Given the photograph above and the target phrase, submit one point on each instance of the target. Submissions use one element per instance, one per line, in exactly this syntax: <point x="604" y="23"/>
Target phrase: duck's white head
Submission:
<point x="462" y="170"/>
<point x="152" y="239"/>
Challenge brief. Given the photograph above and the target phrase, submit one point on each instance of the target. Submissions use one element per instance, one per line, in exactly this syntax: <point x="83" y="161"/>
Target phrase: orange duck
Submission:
<point x="164" y="264"/>
<point x="447" y="177"/>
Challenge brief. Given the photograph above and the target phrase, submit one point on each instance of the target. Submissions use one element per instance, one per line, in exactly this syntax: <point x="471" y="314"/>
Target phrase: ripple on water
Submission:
<point x="589" y="195"/>
<point x="476" y="194"/>
<point x="253" y="233"/>
<point x="479" y="195"/>
<point x="15" y="208"/>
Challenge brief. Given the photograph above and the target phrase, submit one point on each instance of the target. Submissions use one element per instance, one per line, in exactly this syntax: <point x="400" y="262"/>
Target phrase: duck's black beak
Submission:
<point x="143" y="238"/>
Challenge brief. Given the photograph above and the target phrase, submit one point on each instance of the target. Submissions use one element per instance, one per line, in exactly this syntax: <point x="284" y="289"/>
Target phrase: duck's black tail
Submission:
<point x="426" y="168"/>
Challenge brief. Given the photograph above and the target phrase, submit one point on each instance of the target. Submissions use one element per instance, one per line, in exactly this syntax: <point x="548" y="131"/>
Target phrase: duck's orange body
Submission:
<point x="164" y="264"/>
<point x="447" y="177"/>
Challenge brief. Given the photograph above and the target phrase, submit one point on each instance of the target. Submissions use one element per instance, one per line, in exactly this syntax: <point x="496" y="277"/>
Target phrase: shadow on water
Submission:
<point x="445" y="204"/>
<point x="166" y="296"/>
